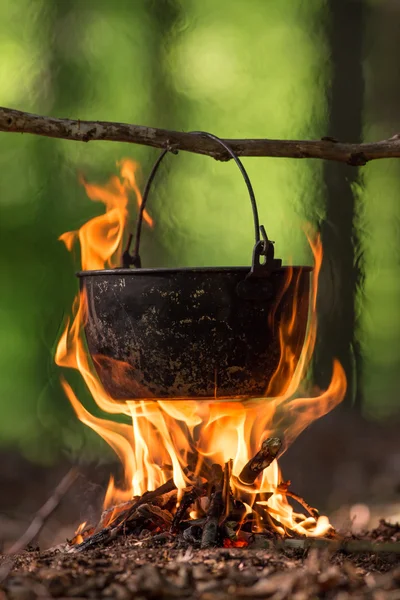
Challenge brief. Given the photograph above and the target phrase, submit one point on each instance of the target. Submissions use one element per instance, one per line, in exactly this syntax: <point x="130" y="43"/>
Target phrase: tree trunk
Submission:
<point x="381" y="325"/>
<point x="342" y="271"/>
<point x="164" y="17"/>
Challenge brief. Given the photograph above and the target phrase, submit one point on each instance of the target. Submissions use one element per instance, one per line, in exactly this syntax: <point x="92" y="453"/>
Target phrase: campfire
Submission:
<point x="199" y="450"/>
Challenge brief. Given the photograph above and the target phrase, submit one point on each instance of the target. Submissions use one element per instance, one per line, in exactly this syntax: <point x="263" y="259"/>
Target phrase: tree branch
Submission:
<point x="17" y="121"/>
<point x="44" y="513"/>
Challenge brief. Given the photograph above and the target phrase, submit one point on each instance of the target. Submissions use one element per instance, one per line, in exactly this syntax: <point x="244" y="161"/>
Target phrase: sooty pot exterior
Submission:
<point x="190" y="333"/>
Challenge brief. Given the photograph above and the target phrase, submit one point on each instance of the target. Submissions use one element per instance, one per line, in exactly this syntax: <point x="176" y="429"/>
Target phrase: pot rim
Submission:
<point x="170" y="271"/>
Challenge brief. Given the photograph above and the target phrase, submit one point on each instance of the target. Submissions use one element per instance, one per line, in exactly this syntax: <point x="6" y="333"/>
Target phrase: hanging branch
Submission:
<point x="17" y="121"/>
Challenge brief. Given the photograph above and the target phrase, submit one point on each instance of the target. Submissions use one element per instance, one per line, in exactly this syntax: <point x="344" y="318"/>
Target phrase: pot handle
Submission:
<point x="263" y="261"/>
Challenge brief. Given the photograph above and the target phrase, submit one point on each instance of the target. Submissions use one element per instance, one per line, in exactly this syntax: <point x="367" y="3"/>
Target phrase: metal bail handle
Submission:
<point x="263" y="261"/>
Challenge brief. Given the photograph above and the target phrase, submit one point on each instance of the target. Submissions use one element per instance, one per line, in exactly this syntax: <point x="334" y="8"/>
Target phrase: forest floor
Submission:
<point x="131" y="568"/>
<point x="357" y="463"/>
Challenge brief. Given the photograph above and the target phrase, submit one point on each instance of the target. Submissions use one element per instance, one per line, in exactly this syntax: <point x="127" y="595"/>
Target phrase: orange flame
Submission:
<point x="159" y="437"/>
<point x="79" y="534"/>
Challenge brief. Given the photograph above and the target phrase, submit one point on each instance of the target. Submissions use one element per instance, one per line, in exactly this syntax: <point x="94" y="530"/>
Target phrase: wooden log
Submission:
<point x="264" y="457"/>
<point x="209" y="538"/>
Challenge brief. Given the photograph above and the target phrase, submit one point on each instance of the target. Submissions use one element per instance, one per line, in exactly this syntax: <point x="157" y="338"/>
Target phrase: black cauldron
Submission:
<point x="195" y="333"/>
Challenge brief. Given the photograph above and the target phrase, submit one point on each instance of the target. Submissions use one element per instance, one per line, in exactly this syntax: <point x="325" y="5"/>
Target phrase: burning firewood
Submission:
<point x="155" y="516"/>
<point x="216" y="478"/>
<point x="154" y="513"/>
<point x="237" y="512"/>
<point x="102" y="537"/>
<point x="147" y="497"/>
<point x="188" y="498"/>
<point x="264" y="457"/>
<point x="106" y="534"/>
<point x="215" y="511"/>
<point x="283" y="488"/>
<point x="226" y="489"/>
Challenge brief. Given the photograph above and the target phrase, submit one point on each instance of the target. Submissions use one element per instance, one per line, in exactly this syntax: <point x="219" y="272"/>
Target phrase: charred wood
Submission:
<point x="188" y="498"/>
<point x="216" y="476"/>
<point x="193" y="534"/>
<point x="237" y="512"/>
<point x="101" y="538"/>
<point x="155" y="514"/>
<point x="226" y="488"/>
<point x="283" y="488"/>
<point x="264" y="457"/>
<point x="106" y="534"/>
<point x="147" y="497"/>
<point x="215" y="511"/>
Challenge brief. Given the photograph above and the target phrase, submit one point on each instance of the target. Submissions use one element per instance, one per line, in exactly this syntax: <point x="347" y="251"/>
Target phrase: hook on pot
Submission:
<point x="263" y="248"/>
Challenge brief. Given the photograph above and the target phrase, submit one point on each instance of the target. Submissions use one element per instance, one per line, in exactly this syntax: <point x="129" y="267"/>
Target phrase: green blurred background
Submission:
<point x="262" y="68"/>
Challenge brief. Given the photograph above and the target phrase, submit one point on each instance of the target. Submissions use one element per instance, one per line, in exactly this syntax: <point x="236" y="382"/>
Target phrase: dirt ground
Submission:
<point x="129" y="568"/>
<point x="356" y="464"/>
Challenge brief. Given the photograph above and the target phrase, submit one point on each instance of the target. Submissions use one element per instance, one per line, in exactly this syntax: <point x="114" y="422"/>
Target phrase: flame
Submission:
<point x="78" y="536"/>
<point x="158" y="439"/>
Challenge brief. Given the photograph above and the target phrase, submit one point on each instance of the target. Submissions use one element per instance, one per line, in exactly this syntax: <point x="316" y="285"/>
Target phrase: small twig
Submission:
<point x="104" y="536"/>
<point x="44" y="512"/>
<point x="116" y="509"/>
<point x="283" y="488"/>
<point x="108" y="533"/>
<point x="188" y="498"/>
<point x="264" y="457"/>
<point x="165" y="488"/>
<point x="18" y="121"/>
<point x="310" y="509"/>
<point x="226" y="489"/>
<point x="349" y="547"/>
<point x="147" y="497"/>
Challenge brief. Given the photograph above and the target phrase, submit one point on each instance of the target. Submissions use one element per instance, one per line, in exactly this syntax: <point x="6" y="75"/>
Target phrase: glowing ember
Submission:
<point x="182" y="439"/>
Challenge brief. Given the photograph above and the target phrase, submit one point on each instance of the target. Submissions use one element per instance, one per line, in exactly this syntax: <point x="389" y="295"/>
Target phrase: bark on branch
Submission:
<point x="17" y="121"/>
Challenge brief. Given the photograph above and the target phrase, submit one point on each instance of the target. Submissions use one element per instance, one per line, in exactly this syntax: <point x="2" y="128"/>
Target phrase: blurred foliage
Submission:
<point x="379" y="216"/>
<point x="237" y="69"/>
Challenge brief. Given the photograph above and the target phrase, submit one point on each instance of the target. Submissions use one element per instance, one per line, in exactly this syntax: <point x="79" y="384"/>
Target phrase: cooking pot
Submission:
<point x="196" y="333"/>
